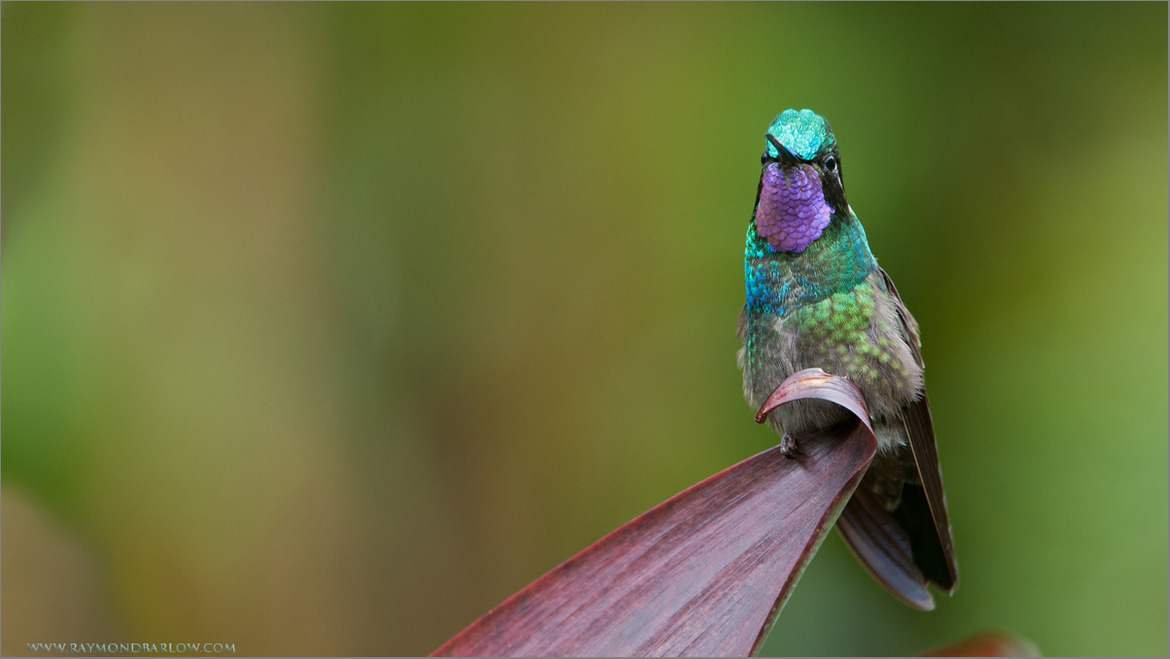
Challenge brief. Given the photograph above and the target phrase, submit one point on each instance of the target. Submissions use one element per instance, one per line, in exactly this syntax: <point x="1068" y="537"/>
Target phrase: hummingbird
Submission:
<point x="816" y="297"/>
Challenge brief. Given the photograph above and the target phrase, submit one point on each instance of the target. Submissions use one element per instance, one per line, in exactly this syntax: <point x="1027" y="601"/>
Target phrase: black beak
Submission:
<point x="786" y="158"/>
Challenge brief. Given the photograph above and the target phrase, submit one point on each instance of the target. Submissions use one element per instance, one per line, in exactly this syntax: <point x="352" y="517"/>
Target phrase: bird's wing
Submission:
<point x="934" y="547"/>
<point x="882" y="547"/>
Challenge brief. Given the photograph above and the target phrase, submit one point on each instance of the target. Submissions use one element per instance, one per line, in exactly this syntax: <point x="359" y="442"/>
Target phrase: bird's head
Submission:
<point x="800" y="186"/>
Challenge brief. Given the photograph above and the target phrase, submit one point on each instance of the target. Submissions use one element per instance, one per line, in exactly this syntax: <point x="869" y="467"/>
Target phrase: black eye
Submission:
<point x="830" y="164"/>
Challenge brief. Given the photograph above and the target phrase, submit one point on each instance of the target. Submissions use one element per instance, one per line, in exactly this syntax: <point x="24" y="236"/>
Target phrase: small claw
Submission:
<point x="790" y="447"/>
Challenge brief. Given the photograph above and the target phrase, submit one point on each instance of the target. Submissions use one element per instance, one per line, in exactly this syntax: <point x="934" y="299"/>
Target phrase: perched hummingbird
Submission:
<point x="816" y="297"/>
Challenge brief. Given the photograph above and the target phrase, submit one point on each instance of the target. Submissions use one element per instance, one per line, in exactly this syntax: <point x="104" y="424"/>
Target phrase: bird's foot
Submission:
<point x="789" y="446"/>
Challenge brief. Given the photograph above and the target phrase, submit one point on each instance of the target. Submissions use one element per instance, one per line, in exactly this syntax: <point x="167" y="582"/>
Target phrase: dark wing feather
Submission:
<point x="934" y="552"/>
<point x="883" y="548"/>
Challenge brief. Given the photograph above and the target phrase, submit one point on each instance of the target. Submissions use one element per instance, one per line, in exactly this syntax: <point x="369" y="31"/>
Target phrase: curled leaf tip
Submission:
<point x="815" y="383"/>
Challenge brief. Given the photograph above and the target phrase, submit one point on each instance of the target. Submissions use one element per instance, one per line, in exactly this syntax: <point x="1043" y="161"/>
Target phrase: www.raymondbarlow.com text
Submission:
<point x="131" y="648"/>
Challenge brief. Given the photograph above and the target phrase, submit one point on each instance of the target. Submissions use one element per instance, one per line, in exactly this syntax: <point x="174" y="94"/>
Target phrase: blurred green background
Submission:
<point x="329" y="326"/>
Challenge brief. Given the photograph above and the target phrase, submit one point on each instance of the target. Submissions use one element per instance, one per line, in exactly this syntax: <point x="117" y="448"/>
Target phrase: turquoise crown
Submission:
<point x="804" y="133"/>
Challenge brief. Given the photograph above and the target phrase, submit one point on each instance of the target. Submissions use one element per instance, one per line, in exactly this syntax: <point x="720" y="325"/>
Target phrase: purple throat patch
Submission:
<point x="792" y="211"/>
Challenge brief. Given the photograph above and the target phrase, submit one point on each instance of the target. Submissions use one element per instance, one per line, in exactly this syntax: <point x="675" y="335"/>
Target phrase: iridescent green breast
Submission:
<point x="846" y="330"/>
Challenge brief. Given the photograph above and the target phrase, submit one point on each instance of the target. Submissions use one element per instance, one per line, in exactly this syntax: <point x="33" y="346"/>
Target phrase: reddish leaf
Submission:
<point x="815" y="383"/>
<point x="987" y="644"/>
<point x="703" y="574"/>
